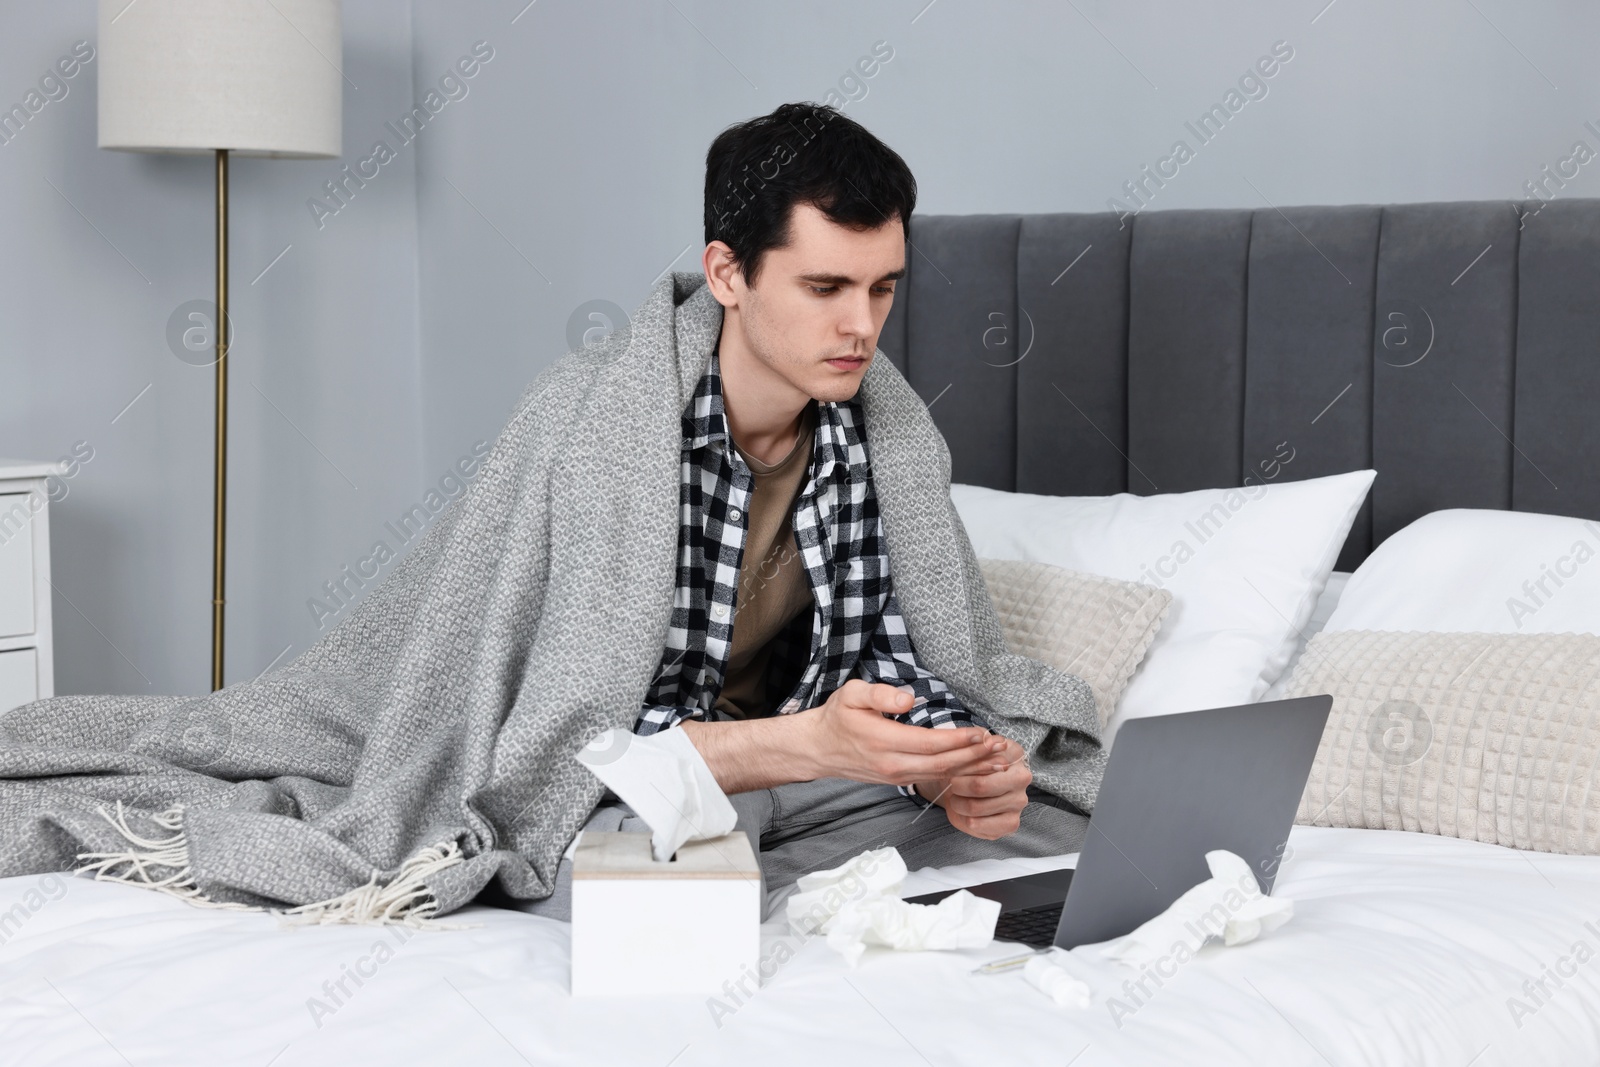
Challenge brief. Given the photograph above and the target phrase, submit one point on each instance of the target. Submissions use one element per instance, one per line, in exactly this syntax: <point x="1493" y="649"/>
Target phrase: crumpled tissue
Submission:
<point x="1048" y="973"/>
<point x="666" y="782"/>
<point x="858" y="904"/>
<point x="1229" y="905"/>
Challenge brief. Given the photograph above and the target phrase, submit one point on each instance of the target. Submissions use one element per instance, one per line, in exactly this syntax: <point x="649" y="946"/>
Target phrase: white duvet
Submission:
<point x="1404" y="949"/>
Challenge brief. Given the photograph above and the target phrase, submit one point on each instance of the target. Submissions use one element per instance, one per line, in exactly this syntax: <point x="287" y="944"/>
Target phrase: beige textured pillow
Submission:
<point x="1486" y="737"/>
<point x="1096" y="628"/>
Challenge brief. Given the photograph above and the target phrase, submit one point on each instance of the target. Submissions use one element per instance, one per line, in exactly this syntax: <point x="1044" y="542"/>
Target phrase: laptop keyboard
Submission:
<point x="1031" y="926"/>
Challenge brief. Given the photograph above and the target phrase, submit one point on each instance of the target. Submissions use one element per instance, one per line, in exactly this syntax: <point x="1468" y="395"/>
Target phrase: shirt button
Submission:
<point x="734" y="514"/>
<point x="720" y="611"/>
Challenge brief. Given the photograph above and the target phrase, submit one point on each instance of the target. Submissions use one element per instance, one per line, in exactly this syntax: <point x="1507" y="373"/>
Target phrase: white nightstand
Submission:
<point x="27" y="661"/>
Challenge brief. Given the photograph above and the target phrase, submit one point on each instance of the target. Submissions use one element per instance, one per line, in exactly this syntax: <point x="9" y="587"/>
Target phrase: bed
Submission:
<point x="1445" y="345"/>
<point x="1404" y="950"/>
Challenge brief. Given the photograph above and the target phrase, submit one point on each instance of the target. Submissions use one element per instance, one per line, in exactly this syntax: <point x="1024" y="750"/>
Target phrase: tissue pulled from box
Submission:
<point x="858" y="904"/>
<point x="1229" y="905"/>
<point x="666" y="782"/>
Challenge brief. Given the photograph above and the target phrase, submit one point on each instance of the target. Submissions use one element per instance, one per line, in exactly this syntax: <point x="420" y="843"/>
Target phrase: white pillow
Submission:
<point x="1467" y="570"/>
<point x="1245" y="567"/>
<point x="1327" y="600"/>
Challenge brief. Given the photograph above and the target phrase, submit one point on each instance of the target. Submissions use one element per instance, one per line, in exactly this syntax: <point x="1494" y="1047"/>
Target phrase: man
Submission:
<point x="791" y="668"/>
<point x="688" y="525"/>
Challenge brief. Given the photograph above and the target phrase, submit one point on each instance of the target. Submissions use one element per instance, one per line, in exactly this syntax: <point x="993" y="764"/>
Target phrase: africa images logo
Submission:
<point x="1399" y="732"/>
<point x="453" y="85"/>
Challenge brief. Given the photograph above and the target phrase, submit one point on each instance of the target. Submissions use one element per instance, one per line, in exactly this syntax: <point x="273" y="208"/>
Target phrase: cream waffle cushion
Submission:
<point x="1094" y="627"/>
<point x="1486" y="737"/>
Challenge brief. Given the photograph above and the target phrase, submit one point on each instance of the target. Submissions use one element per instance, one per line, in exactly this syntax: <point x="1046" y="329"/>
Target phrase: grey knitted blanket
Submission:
<point x="425" y="745"/>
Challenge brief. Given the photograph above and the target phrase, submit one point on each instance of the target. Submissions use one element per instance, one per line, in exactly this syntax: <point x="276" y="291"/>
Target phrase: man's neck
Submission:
<point x="764" y="410"/>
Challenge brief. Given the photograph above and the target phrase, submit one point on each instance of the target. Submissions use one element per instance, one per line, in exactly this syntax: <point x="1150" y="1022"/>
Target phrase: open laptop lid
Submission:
<point x="1179" y="786"/>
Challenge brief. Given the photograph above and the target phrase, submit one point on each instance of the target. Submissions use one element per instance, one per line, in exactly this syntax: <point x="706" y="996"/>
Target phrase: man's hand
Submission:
<point x="987" y="804"/>
<point x="848" y="737"/>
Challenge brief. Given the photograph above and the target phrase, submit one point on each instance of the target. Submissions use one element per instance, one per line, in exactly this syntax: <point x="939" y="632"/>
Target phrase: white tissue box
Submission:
<point x="686" y="926"/>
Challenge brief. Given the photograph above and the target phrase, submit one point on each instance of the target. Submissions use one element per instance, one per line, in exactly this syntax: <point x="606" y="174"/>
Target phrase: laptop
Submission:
<point x="1175" y="787"/>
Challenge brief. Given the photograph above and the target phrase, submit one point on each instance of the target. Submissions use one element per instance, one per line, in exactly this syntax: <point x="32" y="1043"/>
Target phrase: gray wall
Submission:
<point x="325" y="412"/>
<point x="403" y="329"/>
<point x="584" y="141"/>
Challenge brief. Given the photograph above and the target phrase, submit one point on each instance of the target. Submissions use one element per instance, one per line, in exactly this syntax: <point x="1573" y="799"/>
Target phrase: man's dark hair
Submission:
<point x="756" y="171"/>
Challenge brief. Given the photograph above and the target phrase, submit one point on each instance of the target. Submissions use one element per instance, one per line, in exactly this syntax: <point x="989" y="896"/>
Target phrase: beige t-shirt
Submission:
<point x="773" y="587"/>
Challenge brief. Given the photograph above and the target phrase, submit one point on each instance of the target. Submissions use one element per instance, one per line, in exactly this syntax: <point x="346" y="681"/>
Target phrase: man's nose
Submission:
<point x="858" y="321"/>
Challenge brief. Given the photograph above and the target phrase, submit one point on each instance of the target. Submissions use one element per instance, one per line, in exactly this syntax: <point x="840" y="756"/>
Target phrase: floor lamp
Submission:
<point x="221" y="77"/>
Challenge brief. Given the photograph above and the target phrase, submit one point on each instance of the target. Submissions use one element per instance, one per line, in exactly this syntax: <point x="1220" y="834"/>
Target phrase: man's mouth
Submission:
<point x="847" y="362"/>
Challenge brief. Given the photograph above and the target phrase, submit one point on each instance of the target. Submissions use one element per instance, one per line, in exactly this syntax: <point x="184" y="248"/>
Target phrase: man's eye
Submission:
<point x="884" y="290"/>
<point x="823" y="290"/>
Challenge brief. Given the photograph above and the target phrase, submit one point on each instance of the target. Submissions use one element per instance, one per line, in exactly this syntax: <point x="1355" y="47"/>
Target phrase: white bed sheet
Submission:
<point x="1404" y="949"/>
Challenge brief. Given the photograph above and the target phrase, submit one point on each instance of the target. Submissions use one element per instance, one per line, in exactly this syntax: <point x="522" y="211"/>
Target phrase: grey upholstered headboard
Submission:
<point x="1453" y="347"/>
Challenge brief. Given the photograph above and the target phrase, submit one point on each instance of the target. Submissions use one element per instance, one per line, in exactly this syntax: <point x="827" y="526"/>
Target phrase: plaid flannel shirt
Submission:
<point x="855" y="627"/>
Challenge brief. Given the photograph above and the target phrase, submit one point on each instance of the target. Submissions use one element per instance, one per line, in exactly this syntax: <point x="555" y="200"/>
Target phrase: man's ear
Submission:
<point x="724" y="276"/>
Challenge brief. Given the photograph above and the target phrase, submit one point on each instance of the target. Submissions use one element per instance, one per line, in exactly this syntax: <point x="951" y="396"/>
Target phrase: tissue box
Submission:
<point x="686" y="926"/>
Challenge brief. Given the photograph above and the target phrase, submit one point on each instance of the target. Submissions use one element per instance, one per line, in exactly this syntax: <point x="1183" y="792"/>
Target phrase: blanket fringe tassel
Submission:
<point x="133" y="865"/>
<point x="404" y="900"/>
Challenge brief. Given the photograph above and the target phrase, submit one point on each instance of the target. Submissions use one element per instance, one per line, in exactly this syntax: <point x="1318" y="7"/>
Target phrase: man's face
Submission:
<point x="814" y="315"/>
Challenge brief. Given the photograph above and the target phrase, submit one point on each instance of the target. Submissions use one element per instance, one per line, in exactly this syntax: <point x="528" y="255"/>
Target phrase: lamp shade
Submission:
<point x="256" y="77"/>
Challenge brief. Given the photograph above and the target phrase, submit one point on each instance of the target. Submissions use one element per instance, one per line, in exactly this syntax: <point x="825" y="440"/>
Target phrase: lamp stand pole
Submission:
<point x="219" y="522"/>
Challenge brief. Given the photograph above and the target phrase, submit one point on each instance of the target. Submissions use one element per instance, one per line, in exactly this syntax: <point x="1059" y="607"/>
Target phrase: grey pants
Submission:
<point x="812" y="826"/>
